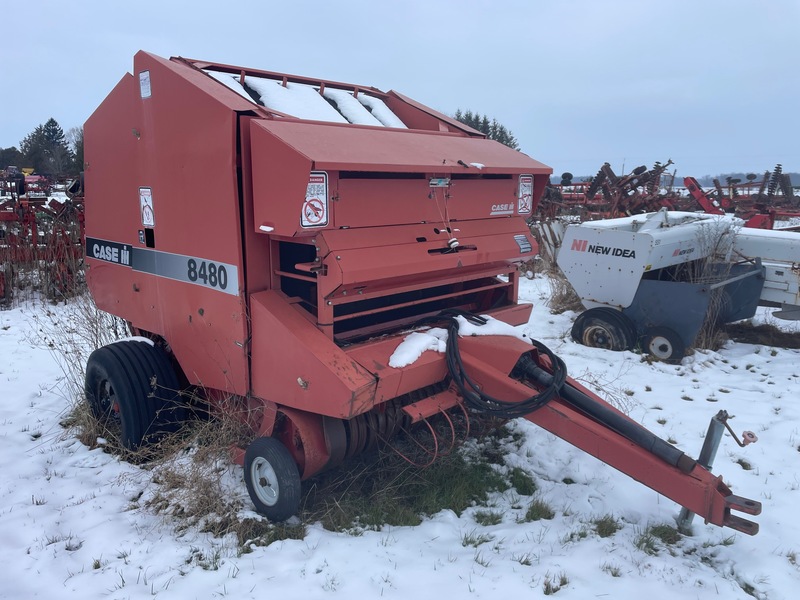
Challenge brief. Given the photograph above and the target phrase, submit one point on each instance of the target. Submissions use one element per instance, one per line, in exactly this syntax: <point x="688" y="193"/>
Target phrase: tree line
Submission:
<point x="492" y="129"/>
<point x="48" y="151"/>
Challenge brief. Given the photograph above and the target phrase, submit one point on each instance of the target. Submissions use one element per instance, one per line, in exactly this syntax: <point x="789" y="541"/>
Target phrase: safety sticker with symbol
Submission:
<point x="525" y="197"/>
<point x="315" y="207"/>
<point x="146" y="207"/>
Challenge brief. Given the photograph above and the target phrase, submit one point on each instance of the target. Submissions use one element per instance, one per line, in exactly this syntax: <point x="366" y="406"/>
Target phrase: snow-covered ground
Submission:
<point x="72" y="522"/>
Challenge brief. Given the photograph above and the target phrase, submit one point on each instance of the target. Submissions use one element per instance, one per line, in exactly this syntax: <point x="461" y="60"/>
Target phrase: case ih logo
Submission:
<point x="585" y="246"/>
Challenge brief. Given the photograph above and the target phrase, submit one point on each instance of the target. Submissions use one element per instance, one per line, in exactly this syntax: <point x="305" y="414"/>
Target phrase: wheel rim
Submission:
<point x="265" y="482"/>
<point x="108" y="405"/>
<point x="597" y="336"/>
<point x="660" y="347"/>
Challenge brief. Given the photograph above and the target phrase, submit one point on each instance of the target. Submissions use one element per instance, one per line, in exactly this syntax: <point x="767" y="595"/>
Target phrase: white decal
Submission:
<point x="146" y="207"/>
<point x="315" y="207"/>
<point x="502" y="209"/>
<point x="525" y="197"/>
<point x="145" y="90"/>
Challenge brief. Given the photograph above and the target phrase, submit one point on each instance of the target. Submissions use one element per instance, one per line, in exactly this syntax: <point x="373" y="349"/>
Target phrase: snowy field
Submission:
<point x="72" y="522"/>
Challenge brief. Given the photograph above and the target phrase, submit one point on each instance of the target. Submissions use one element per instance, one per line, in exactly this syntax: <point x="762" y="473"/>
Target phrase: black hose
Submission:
<point x="475" y="397"/>
<point x="554" y="384"/>
<point x="616" y="422"/>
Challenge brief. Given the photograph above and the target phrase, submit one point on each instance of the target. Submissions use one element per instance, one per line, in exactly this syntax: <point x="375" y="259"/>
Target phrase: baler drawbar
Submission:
<point x="272" y="239"/>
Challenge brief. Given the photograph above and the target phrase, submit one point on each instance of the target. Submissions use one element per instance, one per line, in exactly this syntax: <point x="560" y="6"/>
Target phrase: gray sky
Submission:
<point x="712" y="84"/>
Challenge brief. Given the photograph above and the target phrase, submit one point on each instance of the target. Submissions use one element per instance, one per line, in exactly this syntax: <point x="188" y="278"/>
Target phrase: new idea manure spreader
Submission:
<point x="271" y="240"/>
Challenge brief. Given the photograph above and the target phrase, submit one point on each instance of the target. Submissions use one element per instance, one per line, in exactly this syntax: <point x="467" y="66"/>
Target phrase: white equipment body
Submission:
<point x="654" y="279"/>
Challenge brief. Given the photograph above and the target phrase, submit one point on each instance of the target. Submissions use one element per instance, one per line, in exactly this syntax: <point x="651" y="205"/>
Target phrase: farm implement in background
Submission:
<point x="304" y="231"/>
<point x="654" y="280"/>
<point x="608" y="195"/>
<point x="41" y="238"/>
<point x="759" y="203"/>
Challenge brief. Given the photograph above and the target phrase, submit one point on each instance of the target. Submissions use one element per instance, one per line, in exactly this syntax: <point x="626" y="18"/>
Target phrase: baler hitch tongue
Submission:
<point x="745" y="505"/>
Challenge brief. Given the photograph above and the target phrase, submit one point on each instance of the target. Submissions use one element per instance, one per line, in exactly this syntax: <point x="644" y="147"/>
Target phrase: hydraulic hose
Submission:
<point x="475" y="397"/>
<point x="613" y="420"/>
<point x="553" y="384"/>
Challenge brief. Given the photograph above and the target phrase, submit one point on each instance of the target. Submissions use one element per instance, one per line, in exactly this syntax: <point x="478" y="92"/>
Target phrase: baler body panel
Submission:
<point x="183" y="154"/>
<point x="360" y="162"/>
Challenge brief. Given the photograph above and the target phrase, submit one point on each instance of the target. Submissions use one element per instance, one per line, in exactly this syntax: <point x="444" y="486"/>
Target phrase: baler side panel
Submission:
<point x="280" y="178"/>
<point x="112" y="207"/>
<point x="256" y="245"/>
<point x="296" y="365"/>
<point x="419" y="116"/>
<point x="181" y="142"/>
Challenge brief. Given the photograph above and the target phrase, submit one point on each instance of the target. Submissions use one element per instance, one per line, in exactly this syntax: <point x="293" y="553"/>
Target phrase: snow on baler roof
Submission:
<point x="322" y="101"/>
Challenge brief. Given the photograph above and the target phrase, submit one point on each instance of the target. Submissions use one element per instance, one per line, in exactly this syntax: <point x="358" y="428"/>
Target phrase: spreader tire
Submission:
<point x="663" y="343"/>
<point x="272" y="479"/>
<point x="132" y="391"/>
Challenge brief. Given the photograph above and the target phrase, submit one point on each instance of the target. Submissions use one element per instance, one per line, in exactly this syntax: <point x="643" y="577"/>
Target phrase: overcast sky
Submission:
<point x="712" y="84"/>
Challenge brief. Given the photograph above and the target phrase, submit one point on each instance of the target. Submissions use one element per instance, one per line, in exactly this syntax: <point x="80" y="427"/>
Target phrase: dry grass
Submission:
<point x="563" y="296"/>
<point x="71" y="334"/>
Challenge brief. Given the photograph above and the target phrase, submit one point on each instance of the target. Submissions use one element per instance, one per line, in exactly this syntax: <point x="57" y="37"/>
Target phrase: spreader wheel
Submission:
<point x="272" y="479"/>
<point x="132" y="391"/>
<point x="604" y="328"/>
<point x="663" y="343"/>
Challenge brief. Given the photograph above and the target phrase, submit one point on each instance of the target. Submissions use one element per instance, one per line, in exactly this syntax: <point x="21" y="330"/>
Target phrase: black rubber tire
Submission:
<point x="623" y="322"/>
<point x="272" y="479"/>
<point x="604" y="328"/>
<point x="663" y="343"/>
<point x="133" y="392"/>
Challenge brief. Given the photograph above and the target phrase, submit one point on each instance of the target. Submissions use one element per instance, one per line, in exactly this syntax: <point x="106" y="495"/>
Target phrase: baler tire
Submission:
<point x="663" y="343"/>
<point x="121" y="394"/>
<point x="272" y="479"/>
<point x="164" y="393"/>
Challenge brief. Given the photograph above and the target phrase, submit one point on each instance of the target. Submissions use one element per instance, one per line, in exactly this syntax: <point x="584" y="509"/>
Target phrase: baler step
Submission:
<point x="430" y="406"/>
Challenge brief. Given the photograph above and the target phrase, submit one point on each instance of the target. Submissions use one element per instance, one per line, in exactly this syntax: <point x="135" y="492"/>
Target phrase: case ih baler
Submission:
<point x="274" y="238"/>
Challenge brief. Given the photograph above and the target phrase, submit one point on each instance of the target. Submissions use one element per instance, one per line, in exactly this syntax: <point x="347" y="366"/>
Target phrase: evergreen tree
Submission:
<point x="75" y="137"/>
<point x="492" y="129"/>
<point x="10" y="156"/>
<point x="46" y="150"/>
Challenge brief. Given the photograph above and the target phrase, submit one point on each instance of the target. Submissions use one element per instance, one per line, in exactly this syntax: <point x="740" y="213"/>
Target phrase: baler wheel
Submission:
<point x="272" y="479"/>
<point x="604" y="328"/>
<point x="663" y="343"/>
<point x="132" y="391"/>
